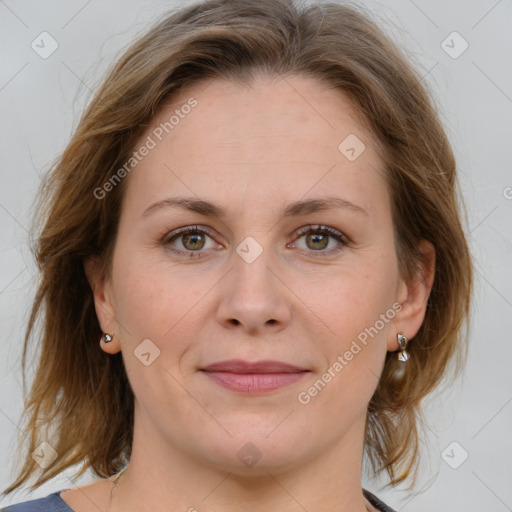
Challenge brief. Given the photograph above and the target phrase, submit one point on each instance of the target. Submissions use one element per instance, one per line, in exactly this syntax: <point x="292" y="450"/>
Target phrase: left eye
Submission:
<point x="193" y="240"/>
<point x="318" y="237"/>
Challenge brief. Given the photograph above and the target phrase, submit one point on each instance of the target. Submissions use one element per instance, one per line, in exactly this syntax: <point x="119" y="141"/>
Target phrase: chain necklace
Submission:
<point x="114" y="487"/>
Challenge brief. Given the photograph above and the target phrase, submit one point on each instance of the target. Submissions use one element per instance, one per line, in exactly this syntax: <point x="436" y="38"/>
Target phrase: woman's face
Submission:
<point x="252" y="280"/>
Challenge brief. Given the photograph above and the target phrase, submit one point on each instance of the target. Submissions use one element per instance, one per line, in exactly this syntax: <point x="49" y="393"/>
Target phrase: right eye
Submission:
<point x="192" y="240"/>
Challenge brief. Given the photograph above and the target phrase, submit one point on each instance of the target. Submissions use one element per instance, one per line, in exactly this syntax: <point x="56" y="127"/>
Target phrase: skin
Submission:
<point x="253" y="150"/>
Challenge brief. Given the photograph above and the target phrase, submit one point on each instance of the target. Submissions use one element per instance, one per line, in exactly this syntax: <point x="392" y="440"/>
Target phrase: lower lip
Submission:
<point x="254" y="383"/>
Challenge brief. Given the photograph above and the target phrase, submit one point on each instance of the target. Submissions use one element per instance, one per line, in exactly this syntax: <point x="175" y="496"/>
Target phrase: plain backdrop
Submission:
<point x="466" y="463"/>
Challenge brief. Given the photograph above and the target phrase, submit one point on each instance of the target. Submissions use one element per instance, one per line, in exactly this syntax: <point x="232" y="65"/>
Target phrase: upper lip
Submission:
<point x="241" y="366"/>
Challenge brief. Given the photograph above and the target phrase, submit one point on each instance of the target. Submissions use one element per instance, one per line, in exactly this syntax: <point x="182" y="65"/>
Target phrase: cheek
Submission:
<point x="352" y="297"/>
<point x="161" y="302"/>
<point x="147" y="305"/>
<point x="353" y="348"/>
<point x="155" y="316"/>
<point x="356" y="308"/>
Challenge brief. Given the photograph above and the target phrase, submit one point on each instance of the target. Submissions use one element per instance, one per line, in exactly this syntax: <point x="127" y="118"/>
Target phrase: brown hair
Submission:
<point x="84" y="393"/>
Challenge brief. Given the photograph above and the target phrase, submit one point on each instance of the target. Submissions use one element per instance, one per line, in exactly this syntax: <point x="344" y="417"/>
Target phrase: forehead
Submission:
<point x="278" y="137"/>
<point x="271" y="106"/>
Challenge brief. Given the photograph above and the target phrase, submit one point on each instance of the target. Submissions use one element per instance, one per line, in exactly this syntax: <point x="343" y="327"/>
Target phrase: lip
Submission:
<point x="241" y="366"/>
<point x="252" y="378"/>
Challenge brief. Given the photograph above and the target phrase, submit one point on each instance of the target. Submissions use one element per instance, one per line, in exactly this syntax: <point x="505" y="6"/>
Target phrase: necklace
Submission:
<point x="114" y="487"/>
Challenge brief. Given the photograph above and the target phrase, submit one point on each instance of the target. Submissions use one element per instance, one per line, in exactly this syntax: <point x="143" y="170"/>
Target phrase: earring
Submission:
<point x="107" y="337"/>
<point x="402" y="341"/>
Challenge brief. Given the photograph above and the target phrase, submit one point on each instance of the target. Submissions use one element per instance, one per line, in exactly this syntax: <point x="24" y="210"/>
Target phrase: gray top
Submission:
<point x="54" y="503"/>
<point x="51" y="503"/>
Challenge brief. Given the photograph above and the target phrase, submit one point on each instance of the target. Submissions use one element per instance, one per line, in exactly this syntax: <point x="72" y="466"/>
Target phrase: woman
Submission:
<point x="240" y="366"/>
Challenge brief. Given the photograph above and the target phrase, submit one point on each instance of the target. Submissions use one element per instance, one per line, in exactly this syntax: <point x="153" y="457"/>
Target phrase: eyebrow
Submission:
<point x="294" y="209"/>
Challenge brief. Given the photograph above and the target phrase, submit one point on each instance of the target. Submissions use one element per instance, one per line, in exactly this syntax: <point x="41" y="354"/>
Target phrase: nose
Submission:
<point x="254" y="295"/>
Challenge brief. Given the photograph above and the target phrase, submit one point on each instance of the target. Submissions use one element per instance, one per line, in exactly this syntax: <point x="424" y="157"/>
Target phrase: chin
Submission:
<point x="257" y="451"/>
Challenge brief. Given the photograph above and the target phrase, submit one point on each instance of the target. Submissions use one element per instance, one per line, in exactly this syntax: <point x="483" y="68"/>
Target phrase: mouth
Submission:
<point x="253" y="377"/>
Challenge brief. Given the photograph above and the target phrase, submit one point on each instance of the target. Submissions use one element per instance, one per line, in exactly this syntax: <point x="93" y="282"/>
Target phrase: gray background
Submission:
<point x="40" y="100"/>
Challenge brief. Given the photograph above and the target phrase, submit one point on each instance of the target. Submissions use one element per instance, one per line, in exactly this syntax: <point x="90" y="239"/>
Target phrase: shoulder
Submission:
<point x="378" y="504"/>
<point x="51" y="503"/>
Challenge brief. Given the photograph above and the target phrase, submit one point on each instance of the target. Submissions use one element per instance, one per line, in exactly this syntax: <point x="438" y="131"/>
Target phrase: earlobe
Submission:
<point x="413" y="296"/>
<point x="102" y="303"/>
<point x="110" y="343"/>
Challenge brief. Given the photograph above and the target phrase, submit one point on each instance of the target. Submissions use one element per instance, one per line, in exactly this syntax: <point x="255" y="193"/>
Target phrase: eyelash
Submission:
<point x="317" y="229"/>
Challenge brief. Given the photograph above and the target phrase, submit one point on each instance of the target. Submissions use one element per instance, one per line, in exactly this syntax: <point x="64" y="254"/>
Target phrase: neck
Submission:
<point x="161" y="477"/>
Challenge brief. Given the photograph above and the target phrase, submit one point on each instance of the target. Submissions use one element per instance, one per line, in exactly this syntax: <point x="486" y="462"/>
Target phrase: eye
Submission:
<point x="193" y="239"/>
<point x="317" y="239"/>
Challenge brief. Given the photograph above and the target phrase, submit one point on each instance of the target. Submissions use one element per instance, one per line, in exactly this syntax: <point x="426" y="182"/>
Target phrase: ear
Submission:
<point x="103" y="304"/>
<point x="413" y="296"/>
